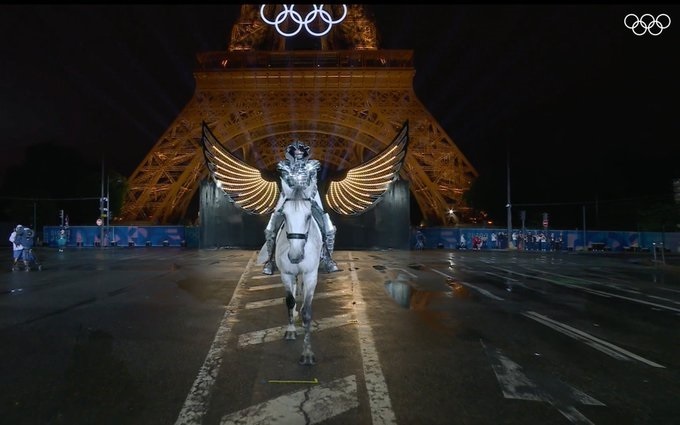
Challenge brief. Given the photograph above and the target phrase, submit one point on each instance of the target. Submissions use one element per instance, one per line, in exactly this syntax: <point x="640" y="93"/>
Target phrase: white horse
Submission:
<point x="298" y="253"/>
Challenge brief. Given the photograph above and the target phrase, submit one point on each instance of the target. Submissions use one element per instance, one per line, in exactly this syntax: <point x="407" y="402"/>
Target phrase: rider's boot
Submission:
<point x="269" y="265"/>
<point x="329" y="263"/>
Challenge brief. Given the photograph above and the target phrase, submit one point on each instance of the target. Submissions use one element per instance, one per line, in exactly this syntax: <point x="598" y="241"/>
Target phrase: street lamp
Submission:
<point x="508" y="206"/>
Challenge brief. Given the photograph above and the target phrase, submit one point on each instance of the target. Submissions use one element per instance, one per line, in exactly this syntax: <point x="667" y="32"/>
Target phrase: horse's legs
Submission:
<point x="309" y="285"/>
<point x="289" y="283"/>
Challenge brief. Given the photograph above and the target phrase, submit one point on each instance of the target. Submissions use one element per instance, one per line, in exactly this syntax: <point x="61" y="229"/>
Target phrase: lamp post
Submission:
<point x="108" y="209"/>
<point x="103" y="208"/>
<point x="585" y="243"/>
<point x="508" y="206"/>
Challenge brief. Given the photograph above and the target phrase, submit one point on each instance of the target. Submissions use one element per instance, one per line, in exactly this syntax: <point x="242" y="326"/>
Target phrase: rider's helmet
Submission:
<point x="19" y="228"/>
<point x="297" y="151"/>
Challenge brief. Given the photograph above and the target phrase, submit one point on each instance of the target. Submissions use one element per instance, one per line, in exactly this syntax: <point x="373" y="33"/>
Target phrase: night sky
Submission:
<point x="580" y="108"/>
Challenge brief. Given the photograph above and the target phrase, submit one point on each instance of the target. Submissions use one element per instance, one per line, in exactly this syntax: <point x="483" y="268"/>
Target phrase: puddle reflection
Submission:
<point x="458" y="289"/>
<point x="408" y="297"/>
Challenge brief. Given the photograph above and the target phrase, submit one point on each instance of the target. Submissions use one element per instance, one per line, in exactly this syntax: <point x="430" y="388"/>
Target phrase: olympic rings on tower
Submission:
<point x="647" y="23"/>
<point x="317" y="13"/>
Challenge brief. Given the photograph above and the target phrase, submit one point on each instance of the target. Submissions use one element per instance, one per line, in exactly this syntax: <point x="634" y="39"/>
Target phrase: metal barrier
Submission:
<point x="659" y="245"/>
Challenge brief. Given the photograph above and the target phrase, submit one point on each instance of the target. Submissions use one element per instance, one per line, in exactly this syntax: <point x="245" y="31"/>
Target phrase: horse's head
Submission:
<point x="297" y="211"/>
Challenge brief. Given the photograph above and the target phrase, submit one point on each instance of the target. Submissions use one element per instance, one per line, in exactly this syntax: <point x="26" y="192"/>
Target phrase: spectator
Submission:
<point x="17" y="247"/>
<point x="494" y="241"/>
<point x="61" y="242"/>
<point x="420" y="240"/>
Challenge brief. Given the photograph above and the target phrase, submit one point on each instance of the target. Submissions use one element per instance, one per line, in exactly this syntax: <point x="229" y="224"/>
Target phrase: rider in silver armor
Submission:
<point x="298" y="170"/>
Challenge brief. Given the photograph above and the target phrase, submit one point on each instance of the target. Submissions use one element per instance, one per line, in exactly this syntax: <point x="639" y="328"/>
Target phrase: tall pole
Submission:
<point x="101" y="210"/>
<point x="508" y="206"/>
<point x="35" y="218"/>
<point x="108" y="210"/>
<point x="585" y="244"/>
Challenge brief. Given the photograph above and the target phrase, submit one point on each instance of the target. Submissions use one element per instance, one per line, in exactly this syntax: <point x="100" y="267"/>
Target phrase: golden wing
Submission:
<point x="243" y="184"/>
<point x="364" y="185"/>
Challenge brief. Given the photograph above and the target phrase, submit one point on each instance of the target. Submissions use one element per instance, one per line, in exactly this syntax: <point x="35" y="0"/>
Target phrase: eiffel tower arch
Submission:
<point x="340" y="94"/>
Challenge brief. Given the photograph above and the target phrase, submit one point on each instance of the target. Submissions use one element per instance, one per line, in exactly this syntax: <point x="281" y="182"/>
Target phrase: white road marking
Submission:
<point x="263" y="276"/>
<point x="502" y="277"/>
<point x="516" y="385"/>
<point x="309" y="406"/>
<point x="378" y="396"/>
<point x="663" y="299"/>
<point x="313" y="405"/>
<point x="276" y="333"/>
<point x="196" y="404"/>
<point x="669" y="289"/>
<point x="594" y="291"/>
<point x="598" y="344"/>
<point x="469" y="285"/>
<point x="594" y="282"/>
<point x="266" y="287"/>
<point x="282" y="300"/>
<point x="408" y="273"/>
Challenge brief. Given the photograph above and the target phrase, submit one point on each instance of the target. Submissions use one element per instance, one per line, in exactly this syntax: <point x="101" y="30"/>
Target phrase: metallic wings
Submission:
<point x="242" y="183"/>
<point x="364" y="185"/>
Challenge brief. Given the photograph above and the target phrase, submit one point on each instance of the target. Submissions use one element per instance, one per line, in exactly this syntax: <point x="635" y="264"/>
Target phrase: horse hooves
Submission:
<point x="307" y="360"/>
<point x="290" y="335"/>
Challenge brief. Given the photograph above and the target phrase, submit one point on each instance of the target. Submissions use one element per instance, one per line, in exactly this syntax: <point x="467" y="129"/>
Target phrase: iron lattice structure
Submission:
<point x="345" y="98"/>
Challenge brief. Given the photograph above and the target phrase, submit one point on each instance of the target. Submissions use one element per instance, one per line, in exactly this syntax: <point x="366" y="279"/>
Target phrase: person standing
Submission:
<point x="17" y="246"/>
<point x="494" y="240"/>
<point x="61" y="242"/>
<point x="420" y="240"/>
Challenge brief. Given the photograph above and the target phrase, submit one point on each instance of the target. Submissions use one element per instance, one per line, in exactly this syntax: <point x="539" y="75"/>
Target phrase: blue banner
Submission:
<point x="117" y="235"/>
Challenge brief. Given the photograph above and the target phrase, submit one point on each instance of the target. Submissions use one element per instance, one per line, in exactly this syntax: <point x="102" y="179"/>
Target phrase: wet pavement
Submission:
<point x="183" y="336"/>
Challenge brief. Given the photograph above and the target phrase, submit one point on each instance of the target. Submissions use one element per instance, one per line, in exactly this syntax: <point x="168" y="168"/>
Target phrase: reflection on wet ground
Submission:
<point x="408" y="297"/>
<point x="458" y="289"/>
<point x="432" y="306"/>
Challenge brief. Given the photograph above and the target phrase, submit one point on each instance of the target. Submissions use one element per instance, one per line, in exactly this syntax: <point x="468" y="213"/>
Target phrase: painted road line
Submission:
<point x="599" y="344"/>
<point x="266" y="287"/>
<point x="471" y="286"/>
<point x="654" y="297"/>
<point x="594" y="291"/>
<point x="593" y="282"/>
<point x="669" y="289"/>
<point x="501" y="276"/>
<point x="378" y="395"/>
<point x="517" y="385"/>
<point x="282" y="300"/>
<point x="635" y="300"/>
<point x="276" y="333"/>
<point x="264" y="276"/>
<point x="292" y="381"/>
<point x="196" y="404"/>
<point x="408" y="273"/>
<point x="309" y="406"/>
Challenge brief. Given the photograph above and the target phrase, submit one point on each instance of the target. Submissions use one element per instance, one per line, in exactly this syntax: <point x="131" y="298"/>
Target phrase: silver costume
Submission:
<point x="298" y="170"/>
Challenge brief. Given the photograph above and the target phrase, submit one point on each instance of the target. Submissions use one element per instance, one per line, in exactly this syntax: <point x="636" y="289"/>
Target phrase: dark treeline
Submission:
<point x="51" y="178"/>
<point x="611" y="207"/>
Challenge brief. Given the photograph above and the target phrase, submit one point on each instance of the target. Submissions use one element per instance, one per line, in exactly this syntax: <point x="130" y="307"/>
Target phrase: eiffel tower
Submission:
<point x="339" y="94"/>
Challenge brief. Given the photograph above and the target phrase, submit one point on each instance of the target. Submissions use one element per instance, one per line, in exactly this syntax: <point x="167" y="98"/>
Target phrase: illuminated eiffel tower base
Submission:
<point x="347" y="104"/>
